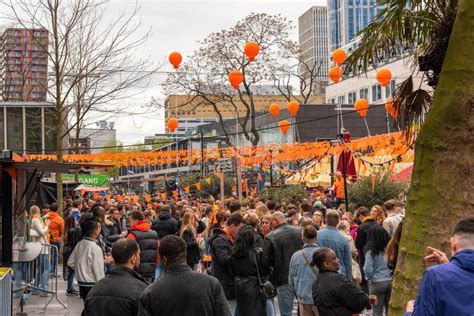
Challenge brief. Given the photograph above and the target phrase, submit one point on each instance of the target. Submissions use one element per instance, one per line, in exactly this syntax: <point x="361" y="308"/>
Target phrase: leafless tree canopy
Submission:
<point x="203" y="75"/>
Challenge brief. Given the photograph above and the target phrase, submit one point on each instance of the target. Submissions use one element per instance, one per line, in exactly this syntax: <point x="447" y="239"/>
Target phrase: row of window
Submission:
<point x="363" y="93"/>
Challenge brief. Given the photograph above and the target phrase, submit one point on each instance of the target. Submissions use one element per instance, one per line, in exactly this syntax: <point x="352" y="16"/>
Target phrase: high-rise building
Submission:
<point x="348" y="17"/>
<point x="24" y="64"/>
<point x="313" y="40"/>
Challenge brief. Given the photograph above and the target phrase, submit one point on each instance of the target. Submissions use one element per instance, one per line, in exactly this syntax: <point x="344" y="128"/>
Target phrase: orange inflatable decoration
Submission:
<point x="339" y="56"/>
<point x="235" y="78"/>
<point x="274" y="109"/>
<point x="172" y="124"/>
<point x="175" y="59"/>
<point x="335" y="74"/>
<point x="361" y="106"/>
<point x="293" y="107"/>
<point x="284" y="126"/>
<point x="384" y="76"/>
<point x="251" y="50"/>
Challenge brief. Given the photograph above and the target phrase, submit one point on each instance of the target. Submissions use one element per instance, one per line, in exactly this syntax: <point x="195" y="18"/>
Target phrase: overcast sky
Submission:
<point x="178" y="25"/>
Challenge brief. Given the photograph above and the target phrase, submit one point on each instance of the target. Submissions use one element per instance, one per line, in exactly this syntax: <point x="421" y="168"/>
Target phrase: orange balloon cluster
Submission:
<point x="284" y="126"/>
<point x="361" y="106"/>
<point x="251" y="49"/>
<point x="235" y="78"/>
<point x="293" y="107"/>
<point x="384" y="76"/>
<point x="175" y="59"/>
<point x="335" y="74"/>
<point x="172" y="124"/>
<point x="339" y="56"/>
<point x="274" y="109"/>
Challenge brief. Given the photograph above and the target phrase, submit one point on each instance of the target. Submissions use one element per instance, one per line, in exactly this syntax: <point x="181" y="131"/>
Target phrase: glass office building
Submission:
<point x="28" y="127"/>
<point x="346" y="18"/>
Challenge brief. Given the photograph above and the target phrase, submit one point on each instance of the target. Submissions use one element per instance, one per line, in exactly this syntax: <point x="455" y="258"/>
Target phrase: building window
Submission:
<point x="376" y="92"/>
<point x="364" y="93"/>
<point x="351" y="97"/>
<point x="33" y="130"/>
<point x="341" y="99"/>
<point x="390" y="89"/>
<point x="15" y="129"/>
<point x="332" y="101"/>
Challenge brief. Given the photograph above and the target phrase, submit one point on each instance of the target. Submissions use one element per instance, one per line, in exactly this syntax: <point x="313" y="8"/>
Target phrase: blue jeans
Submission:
<point x="285" y="299"/>
<point x="70" y="279"/>
<point x="270" y="307"/>
<point x="42" y="272"/>
<point x="54" y="257"/>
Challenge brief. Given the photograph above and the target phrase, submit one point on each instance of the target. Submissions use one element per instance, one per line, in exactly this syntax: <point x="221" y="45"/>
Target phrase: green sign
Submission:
<point x="93" y="180"/>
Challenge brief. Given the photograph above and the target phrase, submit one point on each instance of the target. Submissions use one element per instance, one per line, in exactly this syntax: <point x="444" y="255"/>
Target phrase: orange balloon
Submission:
<point x="284" y="126"/>
<point x="335" y="74"/>
<point x="235" y="78"/>
<point x="361" y="106"/>
<point x="384" y="76"/>
<point x="293" y="107"/>
<point x="172" y="124"/>
<point x="175" y="59"/>
<point x="391" y="109"/>
<point x="251" y="50"/>
<point x="274" y="109"/>
<point x="339" y="56"/>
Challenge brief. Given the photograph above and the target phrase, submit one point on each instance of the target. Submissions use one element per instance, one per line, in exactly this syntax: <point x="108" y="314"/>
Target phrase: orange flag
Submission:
<point x="135" y="198"/>
<point x="95" y="196"/>
<point x="208" y="180"/>
<point x="107" y="197"/>
<point x="163" y="196"/>
<point x="119" y="198"/>
<point x="198" y="186"/>
<point x="147" y="198"/>
<point x="175" y="193"/>
<point x="186" y="188"/>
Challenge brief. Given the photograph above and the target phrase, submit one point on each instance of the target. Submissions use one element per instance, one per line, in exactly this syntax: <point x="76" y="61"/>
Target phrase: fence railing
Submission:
<point x="35" y="277"/>
<point x="5" y="291"/>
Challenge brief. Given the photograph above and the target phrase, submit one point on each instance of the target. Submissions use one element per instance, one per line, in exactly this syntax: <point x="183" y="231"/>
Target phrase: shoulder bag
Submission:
<point x="267" y="289"/>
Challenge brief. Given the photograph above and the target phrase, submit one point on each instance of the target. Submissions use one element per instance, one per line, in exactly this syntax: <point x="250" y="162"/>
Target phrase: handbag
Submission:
<point x="267" y="290"/>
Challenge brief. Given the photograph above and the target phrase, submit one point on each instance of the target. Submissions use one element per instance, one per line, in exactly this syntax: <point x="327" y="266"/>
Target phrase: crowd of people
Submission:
<point x="195" y="256"/>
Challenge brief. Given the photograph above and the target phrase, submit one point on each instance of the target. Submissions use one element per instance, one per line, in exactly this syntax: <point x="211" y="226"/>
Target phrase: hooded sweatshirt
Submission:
<point x="448" y="289"/>
<point x="56" y="226"/>
<point x="147" y="240"/>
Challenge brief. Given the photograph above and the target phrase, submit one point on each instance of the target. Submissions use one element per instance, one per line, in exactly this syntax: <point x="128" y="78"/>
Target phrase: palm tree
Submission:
<point x="441" y="33"/>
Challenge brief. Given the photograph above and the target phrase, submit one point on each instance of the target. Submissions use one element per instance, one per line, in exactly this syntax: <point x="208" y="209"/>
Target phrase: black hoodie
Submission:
<point x="221" y="250"/>
<point x="165" y="225"/>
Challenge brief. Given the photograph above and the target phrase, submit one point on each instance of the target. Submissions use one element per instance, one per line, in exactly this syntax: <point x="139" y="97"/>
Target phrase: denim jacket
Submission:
<point x="376" y="268"/>
<point x="330" y="237"/>
<point x="301" y="277"/>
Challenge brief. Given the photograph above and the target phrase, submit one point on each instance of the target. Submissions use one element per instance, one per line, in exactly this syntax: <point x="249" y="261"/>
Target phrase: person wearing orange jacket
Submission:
<point x="339" y="189"/>
<point x="56" y="229"/>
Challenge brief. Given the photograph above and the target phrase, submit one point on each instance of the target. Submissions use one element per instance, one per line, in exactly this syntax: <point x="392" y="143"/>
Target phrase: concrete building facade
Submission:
<point x="24" y="64"/>
<point x="313" y="40"/>
<point x="92" y="140"/>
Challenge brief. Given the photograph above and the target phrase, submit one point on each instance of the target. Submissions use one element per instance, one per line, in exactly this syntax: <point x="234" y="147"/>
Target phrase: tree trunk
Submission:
<point x="442" y="187"/>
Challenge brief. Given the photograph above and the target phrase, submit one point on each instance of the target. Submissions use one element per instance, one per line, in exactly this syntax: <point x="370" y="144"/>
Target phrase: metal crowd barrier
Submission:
<point x="35" y="277"/>
<point x="5" y="291"/>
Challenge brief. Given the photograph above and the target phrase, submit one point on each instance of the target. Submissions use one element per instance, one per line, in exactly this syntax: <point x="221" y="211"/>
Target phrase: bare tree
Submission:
<point x="92" y="64"/>
<point x="204" y="74"/>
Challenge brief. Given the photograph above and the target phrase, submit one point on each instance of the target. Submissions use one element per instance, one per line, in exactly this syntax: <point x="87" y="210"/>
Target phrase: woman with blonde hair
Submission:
<point x="39" y="232"/>
<point x="262" y="210"/>
<point x="377" y="213"/>
<point x="191" y="226"/>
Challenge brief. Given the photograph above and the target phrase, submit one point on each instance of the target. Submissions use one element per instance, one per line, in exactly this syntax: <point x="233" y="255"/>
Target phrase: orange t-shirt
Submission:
<point x="339" y="188"/>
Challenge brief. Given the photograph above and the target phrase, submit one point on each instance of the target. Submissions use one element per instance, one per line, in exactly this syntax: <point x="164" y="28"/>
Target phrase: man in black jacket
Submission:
<point x="368" y="222"/>
<point x="279" y="246"/>
<point x="117" y="294"/>
<point x="165" y="224"/>
<point x="221" y="246"/>
<point x="181" y="291"/>
<point x="333" y="294"/>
